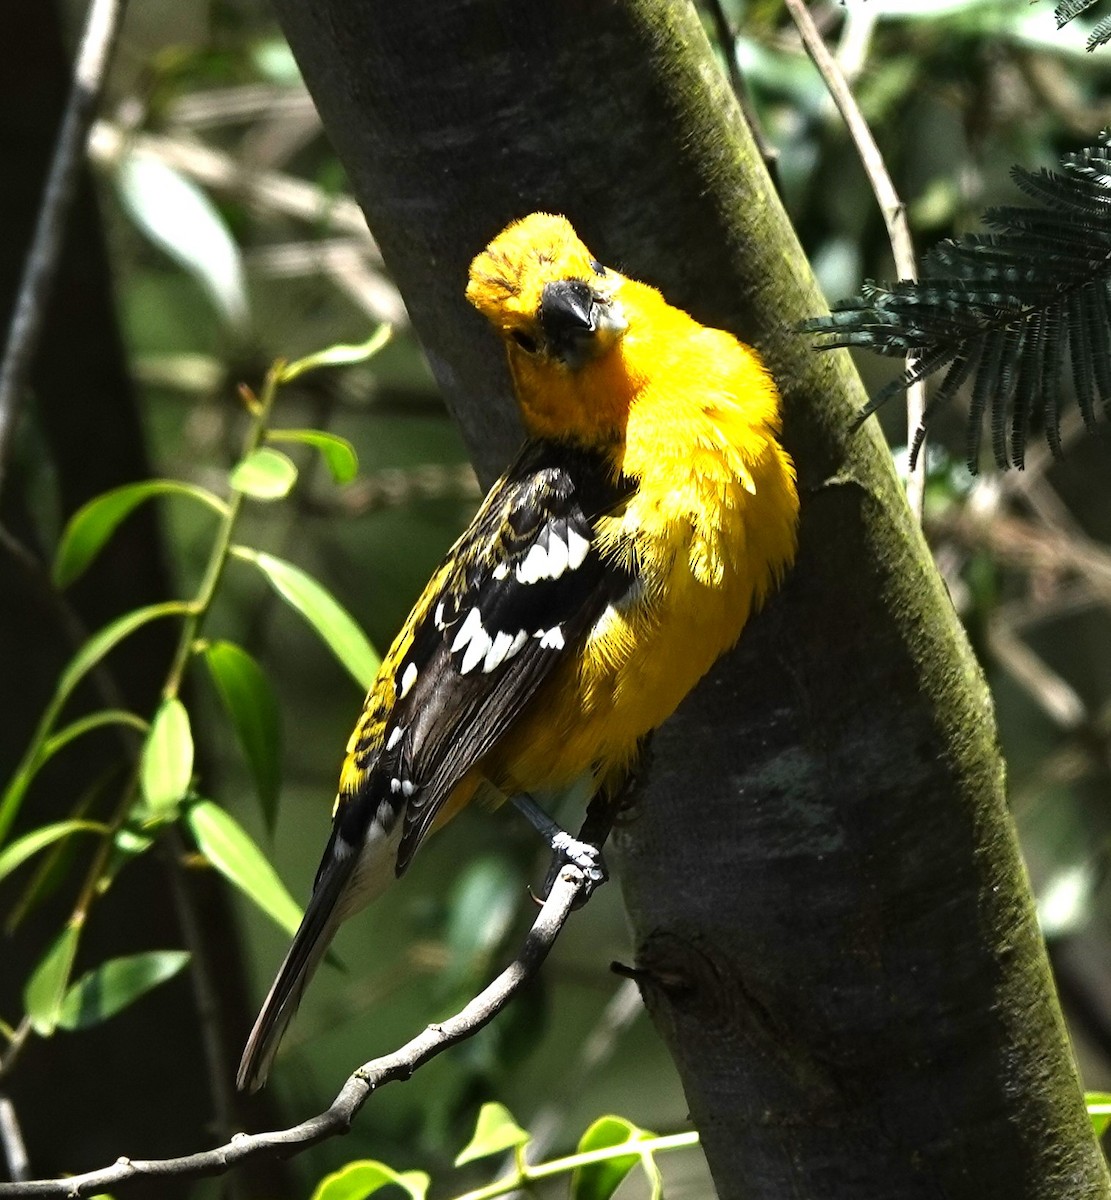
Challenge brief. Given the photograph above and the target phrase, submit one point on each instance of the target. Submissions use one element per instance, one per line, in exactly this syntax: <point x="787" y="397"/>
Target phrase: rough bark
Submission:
<point x="832" y="918"/>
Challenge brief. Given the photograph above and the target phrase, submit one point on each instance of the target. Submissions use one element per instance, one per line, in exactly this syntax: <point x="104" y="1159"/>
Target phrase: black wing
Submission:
<point x="518" y="592"/>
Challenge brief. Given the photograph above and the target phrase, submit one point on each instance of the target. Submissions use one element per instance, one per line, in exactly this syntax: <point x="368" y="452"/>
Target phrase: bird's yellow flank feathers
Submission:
<point x="650" y="511"/>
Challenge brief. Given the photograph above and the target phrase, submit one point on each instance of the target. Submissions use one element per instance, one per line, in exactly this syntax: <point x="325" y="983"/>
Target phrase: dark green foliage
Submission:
<point x="1004" y="309"/>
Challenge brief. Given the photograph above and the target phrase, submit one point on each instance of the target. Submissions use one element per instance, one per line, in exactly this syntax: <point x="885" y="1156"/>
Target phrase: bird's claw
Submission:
<point x="586" y="857"/>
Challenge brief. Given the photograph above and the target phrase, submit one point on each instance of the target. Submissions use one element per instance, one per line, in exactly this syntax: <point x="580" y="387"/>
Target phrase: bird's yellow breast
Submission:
<point x="710" y="527"/>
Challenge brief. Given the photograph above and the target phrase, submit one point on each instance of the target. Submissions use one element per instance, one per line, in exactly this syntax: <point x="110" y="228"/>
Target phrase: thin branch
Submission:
<point x="891" y="207"/>
<point x="39" y="272"/>
<point x="11" y="1140"/>
<point x="337" y="1119"/>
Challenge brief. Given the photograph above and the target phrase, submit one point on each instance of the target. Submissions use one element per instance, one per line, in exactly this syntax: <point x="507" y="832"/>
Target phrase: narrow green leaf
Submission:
<point x="167" y="763"/>
<point x="1099" y="1111"/>
<point x="228" y="847"/>
<point x="264" y="474"/>
<point x="598" y="1181"/>
<point x="111" y="987"/>
<point x="38" y="839"/>
<point x="79" y="666"/>
<point x="323" y="612"/>
<point x="356" y="1180"/>
<point x="43" y="994"/>
<point x="495" y="1132"/>
<point x="249" y="701"/>
<point x="338" y="453"/>
<point x="95" y="522"/>
<point x="338" y="356"/>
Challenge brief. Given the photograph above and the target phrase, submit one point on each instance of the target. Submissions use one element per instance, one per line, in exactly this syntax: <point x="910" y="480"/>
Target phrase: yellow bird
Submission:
<point x="650" y="511"/>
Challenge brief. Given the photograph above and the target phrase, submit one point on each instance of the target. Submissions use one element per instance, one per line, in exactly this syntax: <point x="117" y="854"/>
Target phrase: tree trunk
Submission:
<point x="831" y="916"/>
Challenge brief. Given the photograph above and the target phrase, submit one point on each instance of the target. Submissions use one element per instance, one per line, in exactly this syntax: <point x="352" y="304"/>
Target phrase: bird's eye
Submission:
<point x="527" y="344"/>
<point x="597" y="267"/>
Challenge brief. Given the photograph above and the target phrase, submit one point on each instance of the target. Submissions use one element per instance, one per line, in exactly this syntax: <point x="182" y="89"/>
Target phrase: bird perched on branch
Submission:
<point x="651" y="510"/>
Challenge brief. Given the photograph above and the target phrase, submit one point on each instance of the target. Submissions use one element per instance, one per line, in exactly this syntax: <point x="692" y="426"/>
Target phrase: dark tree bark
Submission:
<point x="831" y="916"/>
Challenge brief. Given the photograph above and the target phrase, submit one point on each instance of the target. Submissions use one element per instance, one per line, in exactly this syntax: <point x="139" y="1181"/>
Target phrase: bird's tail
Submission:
<point x="318" y="926"/>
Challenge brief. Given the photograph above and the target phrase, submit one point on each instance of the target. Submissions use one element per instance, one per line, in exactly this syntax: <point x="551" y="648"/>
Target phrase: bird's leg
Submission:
<point x="565" y="848"/>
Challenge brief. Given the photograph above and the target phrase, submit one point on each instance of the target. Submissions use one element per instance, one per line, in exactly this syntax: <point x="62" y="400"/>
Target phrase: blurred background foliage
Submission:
<point x="232" y="241"/>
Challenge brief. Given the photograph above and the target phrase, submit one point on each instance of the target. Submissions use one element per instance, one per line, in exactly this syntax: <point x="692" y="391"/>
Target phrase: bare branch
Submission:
<point x="337" y="1119"/>
<point x="99" y="36"/>
<point x="11" y="1140"/>
<point x="891" y="206"/>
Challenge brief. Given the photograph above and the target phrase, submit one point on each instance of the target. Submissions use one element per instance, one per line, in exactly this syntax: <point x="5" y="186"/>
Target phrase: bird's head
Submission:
<point x="544" y="292"/>
<point x="556" y="308"/>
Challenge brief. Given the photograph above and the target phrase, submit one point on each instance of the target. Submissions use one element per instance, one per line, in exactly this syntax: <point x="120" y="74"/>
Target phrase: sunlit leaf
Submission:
<point x="338" y="356"/>
<point x="249" y="701"/>
<point x="264" y="474"/>
<point x="322" y="611"/>
<point x="495" y="1132"/>
<point x="38" y="839"/>
<point x="356" y="1180"/>
<point x="167" y="763"/>
<point x="47" y="986"/>
<point x="338" y="453"/>
<point x="178" y="216"/>
<point x="95" y="522"/>
<point x="1099" y="1111"/>
<point x="229" y="848"/>
<point x="111" y="987"/>
<point x="598" y="1181"/>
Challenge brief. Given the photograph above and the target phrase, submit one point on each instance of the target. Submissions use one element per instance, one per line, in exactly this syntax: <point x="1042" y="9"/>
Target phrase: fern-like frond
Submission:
<point x="1101" y="34"/>
<point x="1066" y="10"/>
<point x="1006" y="309"/>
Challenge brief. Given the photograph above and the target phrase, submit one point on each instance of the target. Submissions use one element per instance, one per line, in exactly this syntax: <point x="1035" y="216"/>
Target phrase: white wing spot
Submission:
<point x="499" y="650"/>
<point x="395" y="736"/>
<point x="467" y="630"/>
<point x="408" y="787"/>
<point x="535" y="565"/>
<point x="439" y="615"/>
<point x="578" y="548"/>
<point x="407" y="680"/>
<point x="550" y="639"/>
<point x="395" y="786"/>
<point x="476" y="651"/>
<point x="501" y="570"/>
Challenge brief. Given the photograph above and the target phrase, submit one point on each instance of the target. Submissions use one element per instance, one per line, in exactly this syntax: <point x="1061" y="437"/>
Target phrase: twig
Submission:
<point x="11" y="1139"/>
<point x="337" y="1119"/>
<point x="41" y="268"/>
<point x="891" y="207"/>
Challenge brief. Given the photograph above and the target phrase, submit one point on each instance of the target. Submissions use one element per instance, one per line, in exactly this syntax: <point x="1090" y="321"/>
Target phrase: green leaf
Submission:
<point x="338" y="453"/>
<point x="338" y="356"/>
<point x="322" y="611"/>
<point x="356" y="1180"/>
<point x="167" y="763"/>
<point x="47" y="986"/>
<point x="94" y="523"/>
<point x="227" y="846"/>
<point x="495" y="1132"/>
<point x="264" y="474"/>
<point x="111" y="987"/>
<point x="1099" y="1110"/>
<point x="598" y="1181"/>
<point x="79" y="666"/>
<point x="249" y="702"/>
<point x="178" y="216"/>
<point x="38" y="839"/>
